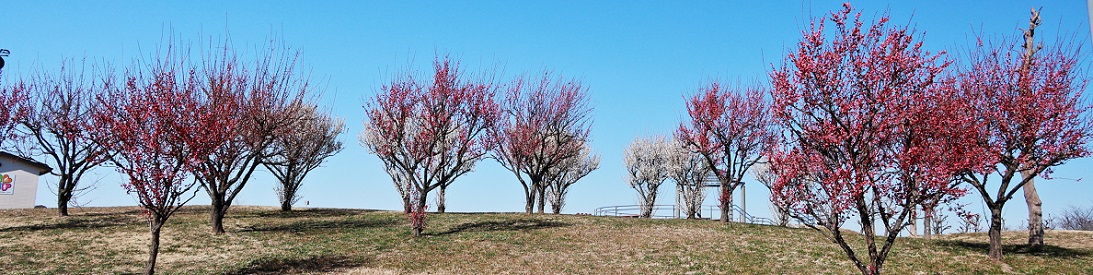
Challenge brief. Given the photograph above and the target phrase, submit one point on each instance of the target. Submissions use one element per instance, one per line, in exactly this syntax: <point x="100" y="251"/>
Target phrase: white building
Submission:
<point x="19" y="180"/>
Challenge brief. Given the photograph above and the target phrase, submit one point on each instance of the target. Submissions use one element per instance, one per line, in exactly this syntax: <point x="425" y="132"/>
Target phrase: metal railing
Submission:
<point x="748" y="218"/>
<point x="671" y="212"/>
<point x="634" y="211"/>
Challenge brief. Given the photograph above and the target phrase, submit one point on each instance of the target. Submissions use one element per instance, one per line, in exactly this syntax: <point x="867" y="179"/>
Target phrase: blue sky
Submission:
<point x="639" y="59"/>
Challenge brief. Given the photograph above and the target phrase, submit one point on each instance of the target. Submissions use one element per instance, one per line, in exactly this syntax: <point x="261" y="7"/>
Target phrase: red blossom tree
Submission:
<point x="871" y="133"/>
<point x="16" y="100"/>
<point x="58" y="127"/>
<point x="427" y="135"/>
<point x="159" y="127"/>
<point x="258" y="96"/>
<point x="730" y="131"/>
<point x="545" y="127"/>
<point x="1027" y="107"/>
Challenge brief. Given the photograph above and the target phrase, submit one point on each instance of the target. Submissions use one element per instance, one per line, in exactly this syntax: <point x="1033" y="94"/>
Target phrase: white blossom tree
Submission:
<point x="568" y="173"/>
<point x="647" y="168"/>
<point x="688" y="170"/>
<point x="312" y="139"/>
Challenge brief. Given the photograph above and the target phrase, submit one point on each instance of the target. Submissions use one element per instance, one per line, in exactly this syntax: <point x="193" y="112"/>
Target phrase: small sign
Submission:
<point x="7" y="184"/>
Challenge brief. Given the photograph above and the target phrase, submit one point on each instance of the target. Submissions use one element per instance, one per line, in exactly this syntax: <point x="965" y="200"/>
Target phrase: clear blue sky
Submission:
<point x="638" y="58"/>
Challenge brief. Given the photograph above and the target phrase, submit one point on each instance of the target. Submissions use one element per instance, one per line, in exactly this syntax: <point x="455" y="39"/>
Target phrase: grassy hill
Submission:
<point x="264" y="240"/>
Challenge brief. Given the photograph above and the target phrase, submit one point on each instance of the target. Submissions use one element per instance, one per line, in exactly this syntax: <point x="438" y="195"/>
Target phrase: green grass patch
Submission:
<point x="263" y="240"/>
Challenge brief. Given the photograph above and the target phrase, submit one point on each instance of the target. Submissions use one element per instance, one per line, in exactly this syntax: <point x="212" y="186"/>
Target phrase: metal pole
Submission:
<point x="1089" y="6"/>
<point x="677" y="196"/>
<point x="744" y="196"/>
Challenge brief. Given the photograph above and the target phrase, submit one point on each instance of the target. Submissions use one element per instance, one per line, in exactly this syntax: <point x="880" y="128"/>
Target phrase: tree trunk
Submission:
<point x="418" y="231"/>
<point x="529" y="204"/>
<point x="153" y="248"/>
<point x="421" y="202"/>
<point x="649" y="201"/>
<point x="216" y="216"/>
<point x="995" y="233"/>
<point x="529" y="200"/>
<point x="286" y="205"/>
<point x="406" y="204"/>
<point x="869" y="236"/>
<point x="64" y="195"/>
<point x="913" y="227"/>
<point x="62" y="206"/>
<point x="928" y="223"/>
<point x="647" y="208"/>
<point x="288" y="194"/>
<point x="1035" y="214"/>
<point x="542" y="199"/>
<point x="556" y="208"/>
<point x="440" y="198"/>
<point x="726" y="205"/>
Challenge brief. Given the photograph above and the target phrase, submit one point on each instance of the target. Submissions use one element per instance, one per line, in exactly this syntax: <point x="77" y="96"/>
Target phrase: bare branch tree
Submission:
<point x="1075" y="218"/>
<point x="57" y="126"/>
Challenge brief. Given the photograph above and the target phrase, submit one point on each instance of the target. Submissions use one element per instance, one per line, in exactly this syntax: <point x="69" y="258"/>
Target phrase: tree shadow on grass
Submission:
<point x="1048" y="250"/>
<point x="80" y="222"/>
<point x="313" y="264"/>
<point x="509" y="225"/>
<point x="310" y="225"/>
<point x="106" y="214"/>
<point x="313" y="213"/>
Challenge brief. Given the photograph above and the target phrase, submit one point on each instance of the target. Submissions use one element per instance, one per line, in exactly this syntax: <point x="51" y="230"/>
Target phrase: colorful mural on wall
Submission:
<point x="7" y="184"/>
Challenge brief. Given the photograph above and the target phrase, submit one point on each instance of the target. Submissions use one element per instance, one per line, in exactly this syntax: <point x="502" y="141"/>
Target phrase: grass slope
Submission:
<point x="264" y="240"/>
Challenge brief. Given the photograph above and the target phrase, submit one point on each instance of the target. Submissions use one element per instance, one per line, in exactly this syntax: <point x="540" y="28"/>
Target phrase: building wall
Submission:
<point x="26" y="184"/>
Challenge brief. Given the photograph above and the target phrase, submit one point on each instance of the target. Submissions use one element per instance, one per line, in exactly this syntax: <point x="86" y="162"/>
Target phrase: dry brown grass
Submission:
<point x="265" y="241"/>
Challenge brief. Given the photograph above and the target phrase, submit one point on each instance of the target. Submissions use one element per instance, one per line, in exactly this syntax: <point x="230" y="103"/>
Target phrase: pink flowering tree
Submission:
<point x="429" y="134"/>
<point x="731" y="131"/>
<point x="1026" y="104"/>
<point x="158" y="127"/>
<point x="17" y="97"/>
<point x="542" y="133"/>
<point x="258" y="95"/>
<point x="869" y="133"/>
<point x="57" y="127"/>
